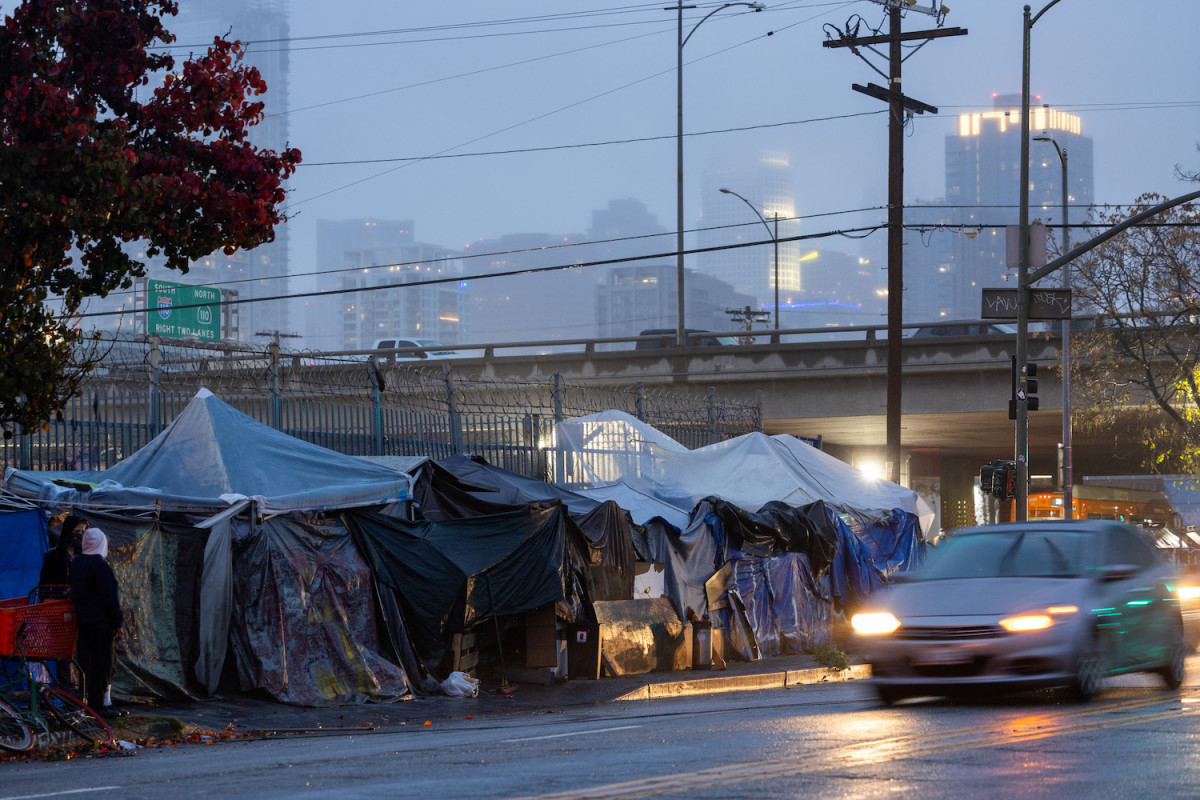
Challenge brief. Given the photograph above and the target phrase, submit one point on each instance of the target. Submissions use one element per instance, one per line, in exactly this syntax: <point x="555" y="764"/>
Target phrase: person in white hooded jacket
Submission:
<point x="97" y="600"/>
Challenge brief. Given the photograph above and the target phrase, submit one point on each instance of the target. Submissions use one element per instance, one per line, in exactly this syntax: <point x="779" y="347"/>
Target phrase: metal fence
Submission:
<point x="358" y="406"/>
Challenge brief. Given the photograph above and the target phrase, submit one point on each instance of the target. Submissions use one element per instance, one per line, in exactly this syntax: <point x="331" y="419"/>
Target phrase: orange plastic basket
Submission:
<point x="50" y="628"/>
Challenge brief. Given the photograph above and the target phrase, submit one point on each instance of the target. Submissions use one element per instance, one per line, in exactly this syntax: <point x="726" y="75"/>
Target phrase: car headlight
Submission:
<point x="874" y="624"/>
<point x="1026" y="622"/>
<point x="1188" y="592"/>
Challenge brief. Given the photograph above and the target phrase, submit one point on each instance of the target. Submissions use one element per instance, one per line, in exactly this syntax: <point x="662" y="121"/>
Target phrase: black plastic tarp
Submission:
<point x="448" y="576"/>
<point x="499" y="485"/>
<point x="778" y="528"/>
<point x="600" y="533"/>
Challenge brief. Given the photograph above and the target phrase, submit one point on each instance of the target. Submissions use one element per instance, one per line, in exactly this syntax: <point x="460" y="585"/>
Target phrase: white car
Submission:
<point x="1026" y="605"/>
<point x="430" y="349"/>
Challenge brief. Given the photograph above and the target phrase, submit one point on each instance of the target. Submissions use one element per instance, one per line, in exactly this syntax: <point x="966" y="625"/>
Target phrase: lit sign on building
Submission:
<point x="1042" y="118"/>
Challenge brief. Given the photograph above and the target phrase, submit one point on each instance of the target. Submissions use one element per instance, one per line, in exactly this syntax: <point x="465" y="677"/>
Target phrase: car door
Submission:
<point x="1141" y="599"/>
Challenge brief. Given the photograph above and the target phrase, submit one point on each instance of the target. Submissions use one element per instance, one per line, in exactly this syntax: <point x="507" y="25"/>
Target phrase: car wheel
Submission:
<point x="890" y="695"/>
<point x="1089" y="670"/>
<point x="1172" y="671"/>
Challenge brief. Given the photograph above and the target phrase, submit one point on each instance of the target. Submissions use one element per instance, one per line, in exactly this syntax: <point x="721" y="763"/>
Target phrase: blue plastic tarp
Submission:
<point x="210" y="456"/>
<point x="22" y="545"/>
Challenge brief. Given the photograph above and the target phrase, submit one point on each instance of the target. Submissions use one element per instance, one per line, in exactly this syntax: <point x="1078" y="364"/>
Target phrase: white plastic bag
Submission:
<point x="460" y="684"/>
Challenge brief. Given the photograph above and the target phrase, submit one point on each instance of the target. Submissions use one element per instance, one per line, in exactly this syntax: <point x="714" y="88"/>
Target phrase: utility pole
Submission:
<point x="900" y="108"/>
<point x="747" y="316"/>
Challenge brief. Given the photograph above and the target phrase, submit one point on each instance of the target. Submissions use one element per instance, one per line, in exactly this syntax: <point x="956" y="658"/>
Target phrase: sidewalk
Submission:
<point x="232" y="717"/>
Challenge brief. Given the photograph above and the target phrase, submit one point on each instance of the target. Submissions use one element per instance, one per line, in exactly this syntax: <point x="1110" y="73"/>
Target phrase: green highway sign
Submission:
<point x="179" y="311"/>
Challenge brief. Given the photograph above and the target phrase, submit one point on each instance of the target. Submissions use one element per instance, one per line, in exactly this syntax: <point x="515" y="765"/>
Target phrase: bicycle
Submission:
<point x="49" y="629"/>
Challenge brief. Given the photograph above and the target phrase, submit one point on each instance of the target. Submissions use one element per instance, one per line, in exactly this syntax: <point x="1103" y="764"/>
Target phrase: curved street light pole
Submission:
<point x="680" y="321"/>
<point x="1021" y="454"/>
<point x="1068" y="476"/>
<point x="774" y="238"/>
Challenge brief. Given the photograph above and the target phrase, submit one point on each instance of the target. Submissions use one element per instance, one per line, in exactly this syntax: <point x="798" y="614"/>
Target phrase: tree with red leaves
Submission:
<point x="92" y="159"/>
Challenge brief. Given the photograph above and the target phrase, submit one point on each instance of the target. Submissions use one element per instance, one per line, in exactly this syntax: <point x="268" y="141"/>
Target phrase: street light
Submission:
<point x="1067" y="472"/>
<point x="682" y="40"/>
<point x="1021" y="513"/>
<point x="774" y="237"/>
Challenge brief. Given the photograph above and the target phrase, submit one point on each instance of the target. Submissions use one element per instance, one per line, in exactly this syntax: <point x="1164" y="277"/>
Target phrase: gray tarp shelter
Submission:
<point x="208" y="467"/>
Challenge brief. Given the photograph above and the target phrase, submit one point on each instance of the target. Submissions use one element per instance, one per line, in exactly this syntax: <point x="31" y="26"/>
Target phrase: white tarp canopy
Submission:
<point x="211" y="456"/>
<point x="606" y="455"/>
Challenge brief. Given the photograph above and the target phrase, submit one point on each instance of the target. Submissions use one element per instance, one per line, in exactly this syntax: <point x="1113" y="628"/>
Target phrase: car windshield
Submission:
<point x="1027" y="554"/>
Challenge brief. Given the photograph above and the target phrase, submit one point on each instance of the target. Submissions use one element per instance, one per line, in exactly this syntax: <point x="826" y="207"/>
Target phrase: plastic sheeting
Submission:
<point x="305" y="626"/>
<point x="211" y="455"/>
<point x="689" y="558"/>
<point x="868" y="557"/>
<point x="777" y="528"/>
<point x="613" y="448"/>
<point x="601" y="543"/>
<point x="447" y="576"/>
<point x="22" y="546"/>
<point x="783" y="604"/>
<point x="157" y="565"/>
<point x="485" y="482"/>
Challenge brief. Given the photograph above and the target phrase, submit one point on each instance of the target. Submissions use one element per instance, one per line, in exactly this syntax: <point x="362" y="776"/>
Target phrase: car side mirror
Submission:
<point x="1117" y="572"/>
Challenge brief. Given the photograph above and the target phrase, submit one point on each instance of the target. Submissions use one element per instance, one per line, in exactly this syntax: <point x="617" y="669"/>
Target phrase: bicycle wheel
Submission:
<point x="15" y="733"/>
<point x="75" y="714"/>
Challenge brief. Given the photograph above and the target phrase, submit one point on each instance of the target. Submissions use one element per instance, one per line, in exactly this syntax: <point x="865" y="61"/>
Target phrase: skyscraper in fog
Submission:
<point x="403" y="278"/>
<point x="947" y="269"/>
<point x="765" y="180"/>
<point x="260" y="25"/>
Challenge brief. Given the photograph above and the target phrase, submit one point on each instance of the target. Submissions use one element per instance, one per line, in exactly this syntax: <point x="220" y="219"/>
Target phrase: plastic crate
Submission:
<point x="50" y="628"/>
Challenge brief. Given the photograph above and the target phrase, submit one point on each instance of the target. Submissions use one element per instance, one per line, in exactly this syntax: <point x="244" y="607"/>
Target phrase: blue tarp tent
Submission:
<point x="212" y="455"/>
<point x="22" y="546"/>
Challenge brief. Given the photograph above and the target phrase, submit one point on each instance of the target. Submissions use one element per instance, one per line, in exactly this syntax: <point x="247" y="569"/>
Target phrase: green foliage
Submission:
<point x="1136" y="370"/>
<point x="90" y="161"/>
<point x="829" y="655"/>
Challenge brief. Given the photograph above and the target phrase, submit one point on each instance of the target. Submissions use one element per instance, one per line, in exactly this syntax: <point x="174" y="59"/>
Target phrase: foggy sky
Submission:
<point x="440" y="79"/>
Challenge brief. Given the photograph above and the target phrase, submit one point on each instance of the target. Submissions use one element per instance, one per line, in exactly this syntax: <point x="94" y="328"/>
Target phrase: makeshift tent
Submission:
<point x="613" y="449"/>
<point x="448" y="576"/>
<point x="305" y="584"/>
<point x="193" y="486"/>
<point x="803" y="533"/>
<point x="212" y="455"/>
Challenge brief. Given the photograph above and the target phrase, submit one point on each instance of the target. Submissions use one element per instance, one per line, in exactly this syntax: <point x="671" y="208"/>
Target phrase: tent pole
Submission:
<point x="505" y="688"/>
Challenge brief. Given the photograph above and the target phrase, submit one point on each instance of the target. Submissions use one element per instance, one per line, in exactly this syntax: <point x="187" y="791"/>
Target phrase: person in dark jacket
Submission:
<point x="97" y="601"/>
<point x="56" y="564"/>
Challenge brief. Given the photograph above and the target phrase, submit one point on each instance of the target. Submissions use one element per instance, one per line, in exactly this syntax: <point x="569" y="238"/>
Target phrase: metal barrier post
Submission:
<point x="453" y="417"/>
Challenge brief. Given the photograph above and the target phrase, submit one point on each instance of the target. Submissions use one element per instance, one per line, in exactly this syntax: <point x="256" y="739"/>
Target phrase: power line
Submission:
<point x="460" y="278"/>
<point x="465" y="256"/>
<point x="551" y="148"/>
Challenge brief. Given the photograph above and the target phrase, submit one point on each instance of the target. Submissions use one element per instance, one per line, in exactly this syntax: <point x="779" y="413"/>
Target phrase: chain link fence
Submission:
<point x="355" y="405"/>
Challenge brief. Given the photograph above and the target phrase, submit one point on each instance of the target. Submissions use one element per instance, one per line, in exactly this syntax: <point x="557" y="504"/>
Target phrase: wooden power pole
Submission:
<point x="900" y="108"/>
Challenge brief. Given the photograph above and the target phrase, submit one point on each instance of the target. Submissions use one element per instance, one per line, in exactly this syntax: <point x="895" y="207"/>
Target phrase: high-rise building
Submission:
<point x="409" y="288"/>
<point x="263" y="271"/>
<point x="635" y="298"/>
<point x="947" y="268"/>
<point x="765" y="180"/>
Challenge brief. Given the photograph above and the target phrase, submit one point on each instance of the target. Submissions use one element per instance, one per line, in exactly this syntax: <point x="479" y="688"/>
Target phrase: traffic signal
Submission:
<point x="1007" y="484"/>
<point x="987" y="474"/>
<point x="1031" y="386"/>
<point x="998" y="479"/>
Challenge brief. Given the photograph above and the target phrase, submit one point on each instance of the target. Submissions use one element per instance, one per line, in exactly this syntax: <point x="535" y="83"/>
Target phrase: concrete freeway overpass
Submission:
<point x="955" y="393"/>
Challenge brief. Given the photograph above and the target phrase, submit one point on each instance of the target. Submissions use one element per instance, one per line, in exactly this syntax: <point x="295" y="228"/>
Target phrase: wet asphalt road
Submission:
<point x="820" y="741"/>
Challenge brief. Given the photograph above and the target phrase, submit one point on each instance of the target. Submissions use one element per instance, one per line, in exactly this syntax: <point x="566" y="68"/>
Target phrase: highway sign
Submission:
<point x="182" y="311"/>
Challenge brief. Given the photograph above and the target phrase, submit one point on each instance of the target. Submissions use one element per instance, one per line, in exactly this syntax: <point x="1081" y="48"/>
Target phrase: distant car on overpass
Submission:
<point x="693" y="336"/>
<point x="964" y="328"/>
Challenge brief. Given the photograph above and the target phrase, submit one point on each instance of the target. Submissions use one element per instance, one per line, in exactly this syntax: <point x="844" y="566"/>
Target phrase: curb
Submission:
<point x="745" y="683"/>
